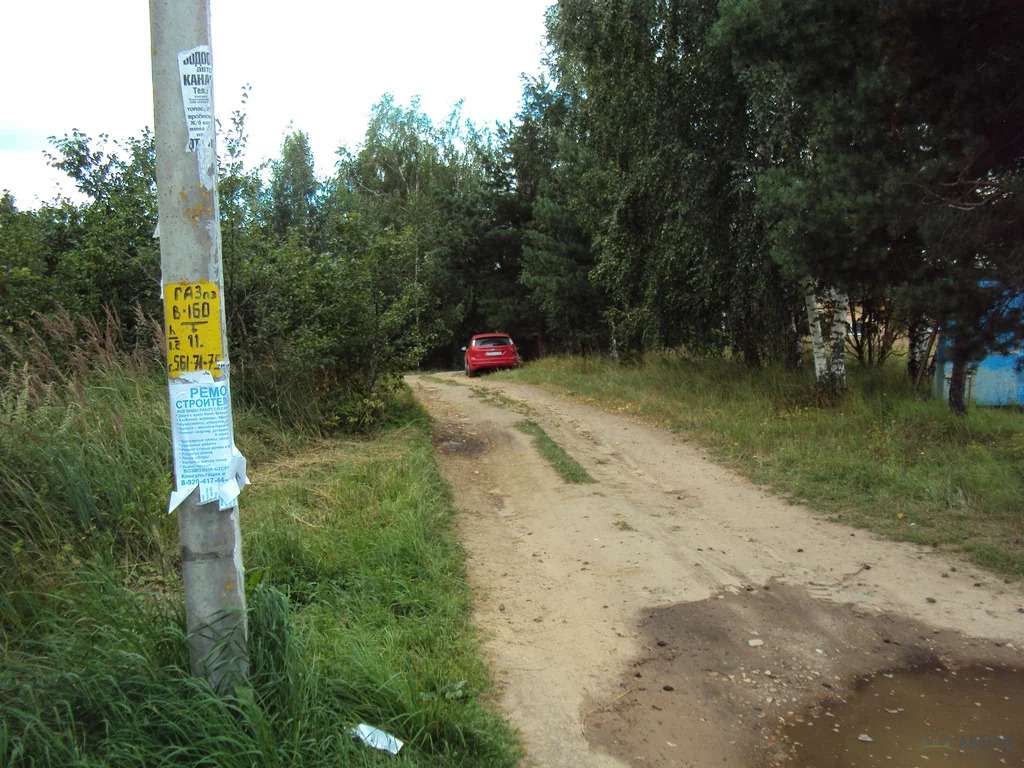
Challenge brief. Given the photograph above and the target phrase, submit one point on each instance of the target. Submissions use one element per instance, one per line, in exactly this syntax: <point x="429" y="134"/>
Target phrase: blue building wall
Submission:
<point x="994" y="380"/>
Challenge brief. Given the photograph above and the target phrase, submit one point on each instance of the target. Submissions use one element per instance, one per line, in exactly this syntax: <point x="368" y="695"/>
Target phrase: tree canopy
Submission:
<point x="686" y="174"/>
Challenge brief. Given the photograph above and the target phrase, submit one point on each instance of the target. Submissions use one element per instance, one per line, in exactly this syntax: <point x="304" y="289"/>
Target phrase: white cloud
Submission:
<point x="36" y="183"/>
<point x="315" y="64"/>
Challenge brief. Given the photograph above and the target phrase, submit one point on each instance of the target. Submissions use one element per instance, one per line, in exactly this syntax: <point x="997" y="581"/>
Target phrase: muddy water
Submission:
<point x="926" y="717"/>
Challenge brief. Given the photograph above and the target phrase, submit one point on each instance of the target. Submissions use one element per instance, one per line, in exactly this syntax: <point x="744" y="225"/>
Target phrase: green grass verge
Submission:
<point x="358" y="607"/>
<point x="563" y="463"/>
<point x="358" y="537"/>
<point x="882" y="458"/>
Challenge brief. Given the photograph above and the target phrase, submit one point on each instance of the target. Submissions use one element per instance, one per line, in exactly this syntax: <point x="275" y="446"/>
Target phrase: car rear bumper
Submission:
<point x="492" y="362"/>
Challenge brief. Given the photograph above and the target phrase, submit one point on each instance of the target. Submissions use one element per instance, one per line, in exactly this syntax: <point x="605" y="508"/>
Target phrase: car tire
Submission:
<point x="469" y="371"/>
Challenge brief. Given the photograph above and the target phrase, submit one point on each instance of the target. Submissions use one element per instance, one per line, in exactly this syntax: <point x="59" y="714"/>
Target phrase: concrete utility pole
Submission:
<point x="208" y="470"/>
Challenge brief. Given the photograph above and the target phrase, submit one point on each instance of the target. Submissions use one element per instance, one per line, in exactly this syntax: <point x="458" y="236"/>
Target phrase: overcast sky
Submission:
<point x="316" y="64"/>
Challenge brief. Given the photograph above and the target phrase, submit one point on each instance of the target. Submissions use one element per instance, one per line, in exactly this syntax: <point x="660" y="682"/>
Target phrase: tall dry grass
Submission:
<point x="358" y="610"/>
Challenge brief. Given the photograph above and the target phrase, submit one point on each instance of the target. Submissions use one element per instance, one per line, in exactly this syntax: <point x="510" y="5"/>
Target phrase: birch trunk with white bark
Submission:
<point x="917" y="348"/>
<point x="814" y="322"/>
<point x="837" y="358"/>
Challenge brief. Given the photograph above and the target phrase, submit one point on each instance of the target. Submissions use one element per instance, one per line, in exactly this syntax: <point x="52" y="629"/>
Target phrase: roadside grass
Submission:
<point x="882" y="458"/>
<point x="358" y="607"/>
<point x="358" y="539"/>
<point x="566" y="466"/>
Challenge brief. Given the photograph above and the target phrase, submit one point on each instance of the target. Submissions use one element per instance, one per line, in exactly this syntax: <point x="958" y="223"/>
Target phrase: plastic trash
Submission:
<point x="376" y="738"/>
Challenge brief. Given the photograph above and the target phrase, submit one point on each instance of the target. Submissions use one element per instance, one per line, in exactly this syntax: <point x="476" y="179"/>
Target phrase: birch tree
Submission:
<point x="679" y="249"/>
<point x="830" y="360"/>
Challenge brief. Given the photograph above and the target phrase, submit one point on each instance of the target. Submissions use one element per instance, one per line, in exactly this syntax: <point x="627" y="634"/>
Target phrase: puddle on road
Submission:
<point x="452" y="438"/>
<point x="456" y="446"/>
<point x="699" y="694"/>
<point x="925" y="717"/>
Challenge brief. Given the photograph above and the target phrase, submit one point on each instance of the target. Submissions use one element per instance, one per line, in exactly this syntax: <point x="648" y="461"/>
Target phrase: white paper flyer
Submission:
<point x="204" y="449"/>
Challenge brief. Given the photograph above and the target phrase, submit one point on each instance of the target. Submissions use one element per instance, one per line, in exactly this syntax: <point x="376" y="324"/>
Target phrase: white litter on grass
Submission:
<point x="755" y="642"/>
<point x="376" y="738"/>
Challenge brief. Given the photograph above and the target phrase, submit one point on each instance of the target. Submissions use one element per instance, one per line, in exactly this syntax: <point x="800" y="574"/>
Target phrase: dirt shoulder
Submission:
<point x="592" y="599"/>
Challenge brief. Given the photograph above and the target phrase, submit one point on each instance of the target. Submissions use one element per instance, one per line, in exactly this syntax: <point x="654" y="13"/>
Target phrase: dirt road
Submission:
<point x="672" y="613"/>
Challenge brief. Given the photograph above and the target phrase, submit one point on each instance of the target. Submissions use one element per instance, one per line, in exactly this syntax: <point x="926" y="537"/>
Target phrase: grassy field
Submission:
<point x="881" y="458"/>
<point x="357" y="599"/>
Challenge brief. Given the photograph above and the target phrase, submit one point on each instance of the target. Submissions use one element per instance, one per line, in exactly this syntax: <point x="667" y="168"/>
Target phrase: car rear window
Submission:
<point x="492" y="341"/>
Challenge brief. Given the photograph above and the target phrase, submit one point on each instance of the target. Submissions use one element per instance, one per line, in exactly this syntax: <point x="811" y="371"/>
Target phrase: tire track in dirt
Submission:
<point x="566" y="577"/>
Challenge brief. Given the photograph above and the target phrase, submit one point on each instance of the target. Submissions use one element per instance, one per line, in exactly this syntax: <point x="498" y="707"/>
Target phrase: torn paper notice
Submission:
<point x="204" y="450"/>
<point x="195" y="73"/>
<point x="376" y="738"/>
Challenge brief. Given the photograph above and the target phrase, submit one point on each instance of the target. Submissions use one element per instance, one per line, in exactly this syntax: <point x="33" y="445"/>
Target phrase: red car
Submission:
<point x="490" y="350"/>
